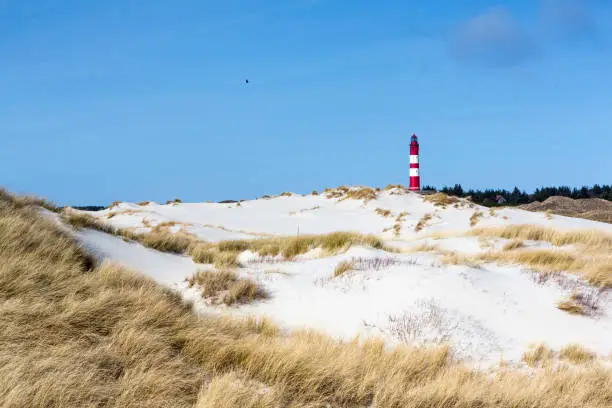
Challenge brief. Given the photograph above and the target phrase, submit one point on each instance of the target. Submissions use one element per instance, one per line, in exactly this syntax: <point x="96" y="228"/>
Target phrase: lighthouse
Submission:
<point x="415" y="181"/>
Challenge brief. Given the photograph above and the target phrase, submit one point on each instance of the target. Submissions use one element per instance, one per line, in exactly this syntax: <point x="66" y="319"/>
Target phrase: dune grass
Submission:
<point x="422" y="222"/>
<point x="576" y="354"/>
<point x="595" y="270"/>
<point x="474" y="218"/>
<point x="79" y="335"/>
<point x="26" y="201"/>
<point x="513" y="244"/>
<point x="233" y="390"/>
<point x="590" y="238"/>
<point x="393" y="186"/>
<point x="362" y="193"/>
<point x="226" y="259"/>
<point x="343" y="267"/>
<point x="440" y="199"/>
<point x="538" y="355"/>
<point x="290" y="247"/>
<point x="571" y="306"/>
<point x="425" y="247"/>
<point x="202" y="253"/>
<point x="225" y="286"/>
<point x="383" y="212"/>
<point x="591" y="257"/>
<point x="225" y="254"/>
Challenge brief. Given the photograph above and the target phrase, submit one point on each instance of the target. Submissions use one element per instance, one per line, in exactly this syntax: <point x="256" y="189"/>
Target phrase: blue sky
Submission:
<point x="146" y="100"/>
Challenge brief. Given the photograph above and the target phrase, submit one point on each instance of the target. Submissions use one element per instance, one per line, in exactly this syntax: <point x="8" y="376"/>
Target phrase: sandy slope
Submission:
<point x="318" y="214"/>
<point x="486" y="313"/>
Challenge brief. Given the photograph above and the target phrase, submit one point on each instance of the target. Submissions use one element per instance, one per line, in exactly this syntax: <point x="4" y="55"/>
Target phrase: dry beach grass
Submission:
<point x="590" y="254"/>
<point x="224" y="253"/>
<point x="79" y="335"/>
<point x="225" y="286"/>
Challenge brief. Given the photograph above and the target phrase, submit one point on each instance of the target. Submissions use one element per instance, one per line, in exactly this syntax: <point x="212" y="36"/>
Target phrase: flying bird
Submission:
<point x="246" y="81"/>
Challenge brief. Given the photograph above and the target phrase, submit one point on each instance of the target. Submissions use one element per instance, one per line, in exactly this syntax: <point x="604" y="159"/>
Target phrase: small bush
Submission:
<point x="314" y="193"/>
<point x="286" y="194"/>
<point x="143" y="203"/>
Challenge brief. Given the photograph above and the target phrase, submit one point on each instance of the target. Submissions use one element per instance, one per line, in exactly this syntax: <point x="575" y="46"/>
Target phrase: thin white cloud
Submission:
<point x="493" y="38"/>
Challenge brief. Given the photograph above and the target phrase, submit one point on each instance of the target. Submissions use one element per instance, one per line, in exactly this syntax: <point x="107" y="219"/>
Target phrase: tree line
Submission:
<point x="488" y="197"/>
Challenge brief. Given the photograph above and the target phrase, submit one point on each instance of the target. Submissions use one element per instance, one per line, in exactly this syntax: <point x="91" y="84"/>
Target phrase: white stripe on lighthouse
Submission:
<point x="414" y="172"/>
<point x="414" y="158"/>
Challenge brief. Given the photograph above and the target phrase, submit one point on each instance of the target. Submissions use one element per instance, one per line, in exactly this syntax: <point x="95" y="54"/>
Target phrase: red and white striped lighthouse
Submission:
<point x="415" y="180"/>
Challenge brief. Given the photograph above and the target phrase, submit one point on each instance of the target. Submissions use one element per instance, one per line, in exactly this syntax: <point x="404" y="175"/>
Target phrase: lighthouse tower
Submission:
<point x="415" y="180"/>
